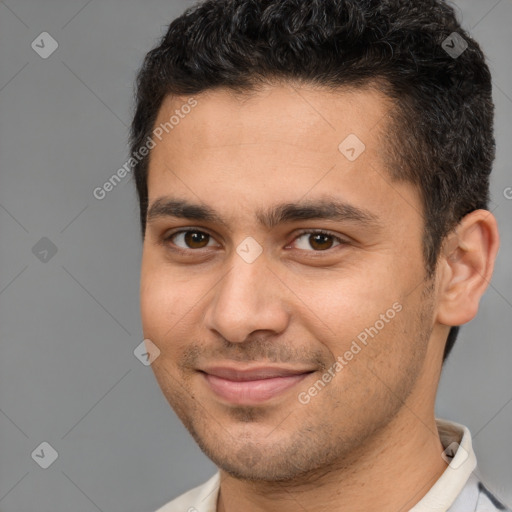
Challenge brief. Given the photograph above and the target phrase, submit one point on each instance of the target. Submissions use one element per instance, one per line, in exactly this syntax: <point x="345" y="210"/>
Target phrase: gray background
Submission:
<point x="69" y="325"/>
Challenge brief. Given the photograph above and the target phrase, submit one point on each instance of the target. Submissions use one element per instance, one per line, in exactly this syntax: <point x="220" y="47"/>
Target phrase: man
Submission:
<point x="313" y="185"/>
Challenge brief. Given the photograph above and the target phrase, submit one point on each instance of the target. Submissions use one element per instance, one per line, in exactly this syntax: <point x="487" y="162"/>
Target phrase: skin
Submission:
<point x="368" y="439"/>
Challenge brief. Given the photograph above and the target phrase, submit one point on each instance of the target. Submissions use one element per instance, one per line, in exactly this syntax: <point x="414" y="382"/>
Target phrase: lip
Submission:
<point x="246" y="386"/>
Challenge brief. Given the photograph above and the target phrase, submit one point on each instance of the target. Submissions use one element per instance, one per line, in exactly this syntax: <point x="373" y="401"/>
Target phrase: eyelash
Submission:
<point x="167" y="239"/>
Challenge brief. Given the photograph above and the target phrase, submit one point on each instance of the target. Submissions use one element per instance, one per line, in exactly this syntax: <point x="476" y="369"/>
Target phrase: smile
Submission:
<point x="252" y="386"/>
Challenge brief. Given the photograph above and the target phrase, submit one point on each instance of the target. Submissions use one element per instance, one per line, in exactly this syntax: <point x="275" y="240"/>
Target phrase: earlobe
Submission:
<point x="465" y="267"/>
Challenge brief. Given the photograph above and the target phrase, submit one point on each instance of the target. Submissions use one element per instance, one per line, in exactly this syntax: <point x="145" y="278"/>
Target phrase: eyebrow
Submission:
<point x="318" y="209"/>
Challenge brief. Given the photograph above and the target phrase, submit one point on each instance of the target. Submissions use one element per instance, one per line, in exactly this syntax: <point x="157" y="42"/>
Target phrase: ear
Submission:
<point x="465" y="267"/>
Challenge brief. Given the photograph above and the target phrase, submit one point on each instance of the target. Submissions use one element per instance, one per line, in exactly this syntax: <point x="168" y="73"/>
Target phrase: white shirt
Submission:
<point x="458" y="489"/>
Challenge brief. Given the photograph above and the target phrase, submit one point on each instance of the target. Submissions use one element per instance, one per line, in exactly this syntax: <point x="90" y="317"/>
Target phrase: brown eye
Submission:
<point x="189" y="239"/>
<point x="196" y="239"/>
<point x="317" y="240"/>
<point x="320" y="242"/>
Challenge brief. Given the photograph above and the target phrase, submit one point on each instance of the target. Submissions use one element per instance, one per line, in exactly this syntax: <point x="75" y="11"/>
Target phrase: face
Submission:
<point x="282" y="277"/>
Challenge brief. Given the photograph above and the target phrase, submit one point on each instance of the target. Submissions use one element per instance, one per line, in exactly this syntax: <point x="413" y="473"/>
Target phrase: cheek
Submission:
<point x="159" y="302"/>
<point x="371" y="316"/>
<point x="153" y="305"/>
<point x="168" y="305"/>
<point x="349" y="303"/>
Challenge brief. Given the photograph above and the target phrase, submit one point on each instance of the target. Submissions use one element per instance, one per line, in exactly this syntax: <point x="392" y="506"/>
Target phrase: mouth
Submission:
<point x="250" y="386"/>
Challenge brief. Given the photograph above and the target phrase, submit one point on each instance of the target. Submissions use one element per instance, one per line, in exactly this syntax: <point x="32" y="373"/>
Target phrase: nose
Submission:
<point x="248" y="298"/>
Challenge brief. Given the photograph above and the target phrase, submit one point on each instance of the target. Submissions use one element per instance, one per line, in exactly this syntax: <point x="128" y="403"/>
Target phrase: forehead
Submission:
<point x="280" y="144"/>
<point x="310" y="116"/>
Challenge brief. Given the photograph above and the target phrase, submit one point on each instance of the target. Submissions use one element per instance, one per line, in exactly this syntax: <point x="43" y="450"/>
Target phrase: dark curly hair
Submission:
<point x="442" y="121"/>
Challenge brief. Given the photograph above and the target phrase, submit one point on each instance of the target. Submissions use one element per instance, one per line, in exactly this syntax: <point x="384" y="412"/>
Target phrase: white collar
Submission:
<point x="444" y="492"/>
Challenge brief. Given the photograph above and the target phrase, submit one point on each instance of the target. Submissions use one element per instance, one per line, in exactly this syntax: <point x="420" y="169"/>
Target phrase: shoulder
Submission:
<point x="477" y="497"/>
<point x="488" y="501"/>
